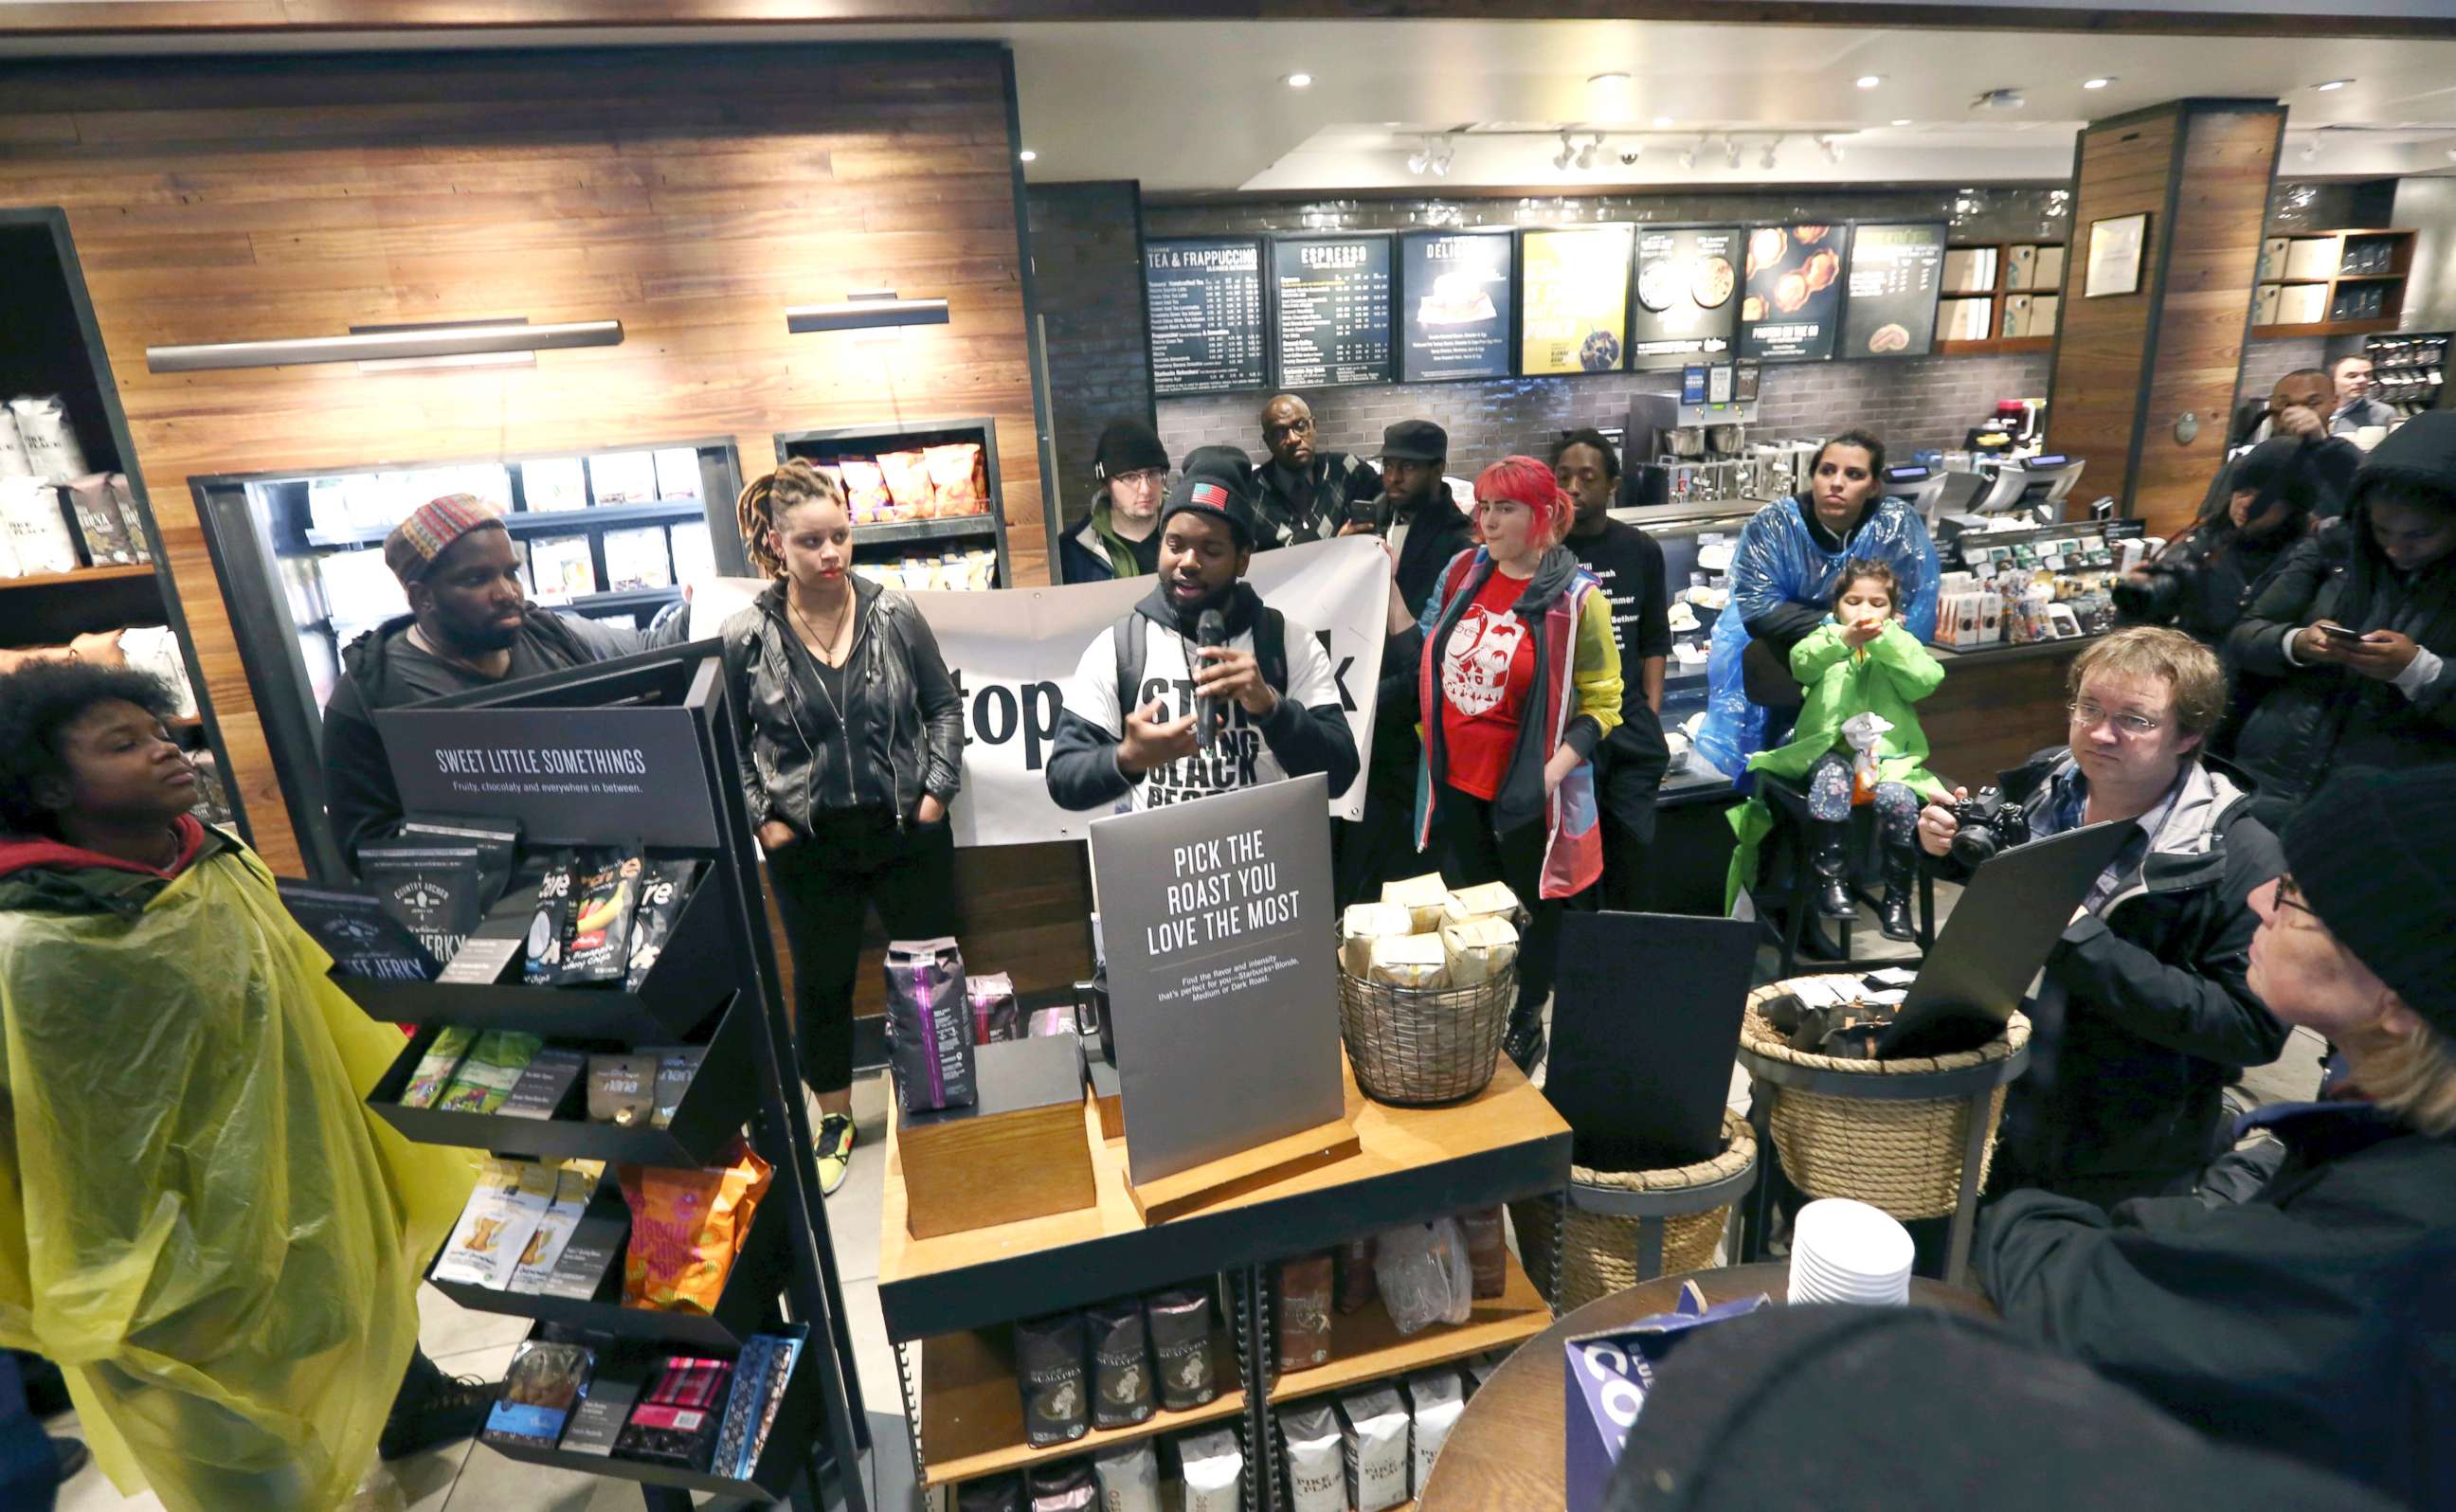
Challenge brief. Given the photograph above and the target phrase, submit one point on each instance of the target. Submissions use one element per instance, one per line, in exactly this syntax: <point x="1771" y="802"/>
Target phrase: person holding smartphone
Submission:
<point x="2353" y="632"/>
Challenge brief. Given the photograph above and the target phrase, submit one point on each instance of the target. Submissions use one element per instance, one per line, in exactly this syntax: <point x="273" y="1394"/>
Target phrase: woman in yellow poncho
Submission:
<point x="199" y="1219"/>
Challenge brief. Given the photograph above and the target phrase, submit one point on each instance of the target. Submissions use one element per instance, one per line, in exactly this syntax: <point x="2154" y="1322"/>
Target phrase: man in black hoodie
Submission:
<point x="469" y="624"/>
<point x="1126" y="740"/>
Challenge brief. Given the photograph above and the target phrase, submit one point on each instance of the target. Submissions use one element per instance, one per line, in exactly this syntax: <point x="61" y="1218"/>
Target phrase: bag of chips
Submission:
<point x="542" y="961"/>
<point x="865" y="490"/>
<point x="688" y="1228"/>
<point x="605" y="895"/>
<point x="667" y="888"/>
<point x="955" y="469"/>
<point x="908" y="484"/>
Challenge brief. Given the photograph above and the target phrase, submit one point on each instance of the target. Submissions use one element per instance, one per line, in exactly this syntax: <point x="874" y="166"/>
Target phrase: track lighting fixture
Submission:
<point x="1732" y="152"/>
<point x="1766" y="158"/>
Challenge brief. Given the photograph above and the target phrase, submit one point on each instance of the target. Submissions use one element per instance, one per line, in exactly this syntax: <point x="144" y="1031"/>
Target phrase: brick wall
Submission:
<point x="1087" y="260"/>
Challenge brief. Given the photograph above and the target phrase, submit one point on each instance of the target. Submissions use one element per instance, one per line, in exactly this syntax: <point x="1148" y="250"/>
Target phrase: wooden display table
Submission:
<point x="947" y="1301"/>
<point x="1508" y="1449"/>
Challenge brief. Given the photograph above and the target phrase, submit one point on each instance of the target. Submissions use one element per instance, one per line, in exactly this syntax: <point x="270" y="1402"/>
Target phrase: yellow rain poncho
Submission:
<point x="200" y="1221"/>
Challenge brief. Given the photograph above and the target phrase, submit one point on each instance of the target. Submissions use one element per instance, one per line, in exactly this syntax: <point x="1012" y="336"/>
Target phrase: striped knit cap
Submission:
<point x="415" y="543"/>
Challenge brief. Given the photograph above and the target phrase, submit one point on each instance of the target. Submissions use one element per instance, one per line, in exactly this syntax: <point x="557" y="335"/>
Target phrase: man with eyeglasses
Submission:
<point x="2144" y="1012"/>
<point x="1121" y="537"/>
<point x="1307" y="495"/>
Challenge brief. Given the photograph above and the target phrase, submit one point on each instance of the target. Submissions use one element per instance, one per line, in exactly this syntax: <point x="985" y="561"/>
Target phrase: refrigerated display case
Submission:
<point x="609" y="534"/>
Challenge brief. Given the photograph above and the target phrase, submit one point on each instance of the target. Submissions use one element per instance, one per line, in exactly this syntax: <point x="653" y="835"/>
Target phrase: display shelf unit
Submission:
<point x="2362" y="275"/>
<point x="947" y="1301"/>
<point x="1999" y="286"/>
<point x="785" y="1281"/>
<point x="830" y="446"/>
<point x="2408" y="369"/>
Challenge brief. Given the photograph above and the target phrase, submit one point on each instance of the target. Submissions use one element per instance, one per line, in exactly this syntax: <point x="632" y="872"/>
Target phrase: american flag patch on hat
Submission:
<point x="1210" y="495"/>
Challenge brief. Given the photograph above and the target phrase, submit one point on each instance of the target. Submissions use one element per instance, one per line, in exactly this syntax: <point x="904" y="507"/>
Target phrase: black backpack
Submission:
<point x="1127" y="638"/>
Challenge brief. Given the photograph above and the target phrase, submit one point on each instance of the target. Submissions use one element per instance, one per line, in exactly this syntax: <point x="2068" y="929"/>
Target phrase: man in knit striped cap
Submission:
<point x="469" y="624"/>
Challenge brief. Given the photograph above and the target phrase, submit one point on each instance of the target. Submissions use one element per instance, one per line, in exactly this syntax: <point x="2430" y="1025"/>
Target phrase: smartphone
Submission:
<point x="2338" y="632"/>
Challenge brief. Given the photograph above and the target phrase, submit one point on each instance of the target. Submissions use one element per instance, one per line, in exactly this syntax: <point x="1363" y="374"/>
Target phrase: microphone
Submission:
<point x="1208" y="630"/>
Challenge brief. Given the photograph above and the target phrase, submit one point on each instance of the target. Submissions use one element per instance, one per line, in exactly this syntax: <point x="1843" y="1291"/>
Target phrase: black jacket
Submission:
<point x="2144" y="1011"/>
<point x="903" y="722"/>
<point x="2317" y="1319"/>
<point x="380" y="670"/>
<point x="2216" y="574"/>
<point x="1083" y="771"/>
<point x="2313" y="718"/>
<point x="1337" y="487"/>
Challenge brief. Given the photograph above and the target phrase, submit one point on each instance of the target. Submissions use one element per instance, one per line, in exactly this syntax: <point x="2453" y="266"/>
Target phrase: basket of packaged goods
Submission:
<point x="1427" y="979"/>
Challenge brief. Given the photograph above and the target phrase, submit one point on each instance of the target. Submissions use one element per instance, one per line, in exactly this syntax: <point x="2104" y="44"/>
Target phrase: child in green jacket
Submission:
<point x="1864" y="662"/>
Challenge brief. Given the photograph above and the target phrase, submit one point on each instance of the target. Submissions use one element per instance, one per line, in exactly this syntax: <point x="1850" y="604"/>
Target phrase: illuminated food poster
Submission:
<point x="1454" y="290"/>
<point x="1687" y="283"/>
<point x="1573" y="311"/>
<point x="1896" y="273"/>
<point x="1792" y="305"/>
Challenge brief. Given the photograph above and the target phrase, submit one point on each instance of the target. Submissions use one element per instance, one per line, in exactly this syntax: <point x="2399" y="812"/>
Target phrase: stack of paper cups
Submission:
<point x="1843" y="1250"/>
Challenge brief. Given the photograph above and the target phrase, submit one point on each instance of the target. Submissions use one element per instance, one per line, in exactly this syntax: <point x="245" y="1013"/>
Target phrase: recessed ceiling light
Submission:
<point x="1904" y="121"/>
<point x="2097" y="84"/>
<point x="2332" y="84"/>
<point x="1868" y="81"/>
<point x="1663" y="120"/>
<point x="1027" y="156"/>
<point x="1299" y="81"/>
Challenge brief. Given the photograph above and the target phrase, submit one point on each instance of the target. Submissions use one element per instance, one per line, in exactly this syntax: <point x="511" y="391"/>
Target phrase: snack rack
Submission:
<point x="716" y="985"/>
<point x="901" y="537"/>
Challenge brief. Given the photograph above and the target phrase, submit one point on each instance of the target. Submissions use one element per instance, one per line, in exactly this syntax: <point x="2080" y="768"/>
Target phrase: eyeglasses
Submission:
<point x="2086" y="715"/>
<point x="1143" y="478"/>
<point x="1297" y="428"/>
<point x="2290" y="896"/>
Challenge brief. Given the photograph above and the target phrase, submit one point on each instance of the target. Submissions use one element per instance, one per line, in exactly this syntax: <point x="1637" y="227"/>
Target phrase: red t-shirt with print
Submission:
<point x="1487" y="670"/>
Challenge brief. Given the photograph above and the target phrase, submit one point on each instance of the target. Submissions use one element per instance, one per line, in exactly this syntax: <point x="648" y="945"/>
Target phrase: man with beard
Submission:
<point x="1127" y="740"/>
<point x="469" y="624"/>
<point x="1303" y="495"/>
<point x="1631" y="762"/>
<point x="1424" y="527"/>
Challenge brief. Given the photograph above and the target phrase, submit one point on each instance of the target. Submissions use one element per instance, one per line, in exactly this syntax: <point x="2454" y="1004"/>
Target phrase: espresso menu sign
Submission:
<point x="1204" y="298"/>
<point x="1455" y="289"/>
<point x="1790" y="310"/>
<point x="1333" y="309"/>
<point x="1688" y="295"/>
<point x="1896" y="273"/>
<point x="1573" y="300"/>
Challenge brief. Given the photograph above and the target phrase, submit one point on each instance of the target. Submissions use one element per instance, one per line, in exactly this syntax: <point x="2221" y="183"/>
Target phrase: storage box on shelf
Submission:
<point x="2332" y="283"/>
<point x="890" y="531"/>
<point x="1999" y="298"/>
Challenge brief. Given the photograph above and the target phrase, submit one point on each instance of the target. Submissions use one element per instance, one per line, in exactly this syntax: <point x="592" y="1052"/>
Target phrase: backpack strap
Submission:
<point x="1128" y="640"/>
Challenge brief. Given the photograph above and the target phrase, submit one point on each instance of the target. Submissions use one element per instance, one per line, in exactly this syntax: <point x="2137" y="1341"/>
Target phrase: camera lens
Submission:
<point x="1974" y="844"/>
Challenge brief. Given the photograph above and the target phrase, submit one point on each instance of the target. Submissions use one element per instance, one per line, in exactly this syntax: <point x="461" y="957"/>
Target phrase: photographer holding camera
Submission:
<point x="2201" y="581"/>
<point x="2143" y="1013"/>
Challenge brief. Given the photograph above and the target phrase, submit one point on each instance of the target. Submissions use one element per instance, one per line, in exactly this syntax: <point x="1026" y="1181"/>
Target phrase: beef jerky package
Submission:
<point x="1316" y="1461"/>
<point x="1129" y="1479"/>
<point x="1121" y="1372"/>
<point x="1488" y="1252"/>
<point x="359" y="933"/>
<point x="997" y="1493"/>
<point x="430" y="888"/>
<point x="1354" y="1290"/>
<point x="1179" y="1323"/>
<point x="928" y="1025"/>
<point x="1065" y="1487"/>
<point x="1049" y="1364"/>
<point x="1212" y="1466"/>
<point x="496" y="841"/>
<point x="543" y="955"/>
<point x="1304" y="1312"/>
<point x="1374" y="1444"/>
<point x="664" y="885"/>
<point x="605" y="895"/>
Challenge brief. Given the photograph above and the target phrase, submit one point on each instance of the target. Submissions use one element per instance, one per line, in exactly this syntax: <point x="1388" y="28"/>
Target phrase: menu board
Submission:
<point x="1454" y="295"/>
<point x="1573" y="299"/>
<point x="1791" y="309"/>
<point x="1687" y="280"/>
<point x="1895" y="272"/>
<point x="1333" y="309"/>
<point x="1204" y="298"/>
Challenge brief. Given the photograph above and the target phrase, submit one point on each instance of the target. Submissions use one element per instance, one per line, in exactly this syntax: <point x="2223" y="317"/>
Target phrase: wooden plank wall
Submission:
<point x="2126" y="366"/>
<point x="691" y="194"/>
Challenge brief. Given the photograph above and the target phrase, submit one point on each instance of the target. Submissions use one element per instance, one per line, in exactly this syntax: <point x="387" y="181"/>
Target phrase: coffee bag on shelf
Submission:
<point x="997" y="1493"/>
<point x="1425" y="898"/>
<point x="12" y="450"/>
<point x="1310" y="1442"/>
<point x="39" y="539"/>
<point x="1121" y="1369"/>
<point x="1304" y="1312"/>
<point x="1365" y="925"/>
<point x="1487" y="1251"/>
<point x="132" y="519"/>
<point x="1129" y="1479"/>
<point x="1180" y="1335"/>
<point x="1212" y="1471"/>
<point x="1410" y="960"/>
<point x="1484" y="899"/>
<point x="928" y="1025"/>
<point x="1065" y="1487"/>
<point x="98" y="521"/>
<point x="1372" y="1449"/>
<point x="1477" y="949"/>
<point x="1356" y="1290"/>
<point x="1434" y="1402"/>
<point x="1049" y="1366"/>
<point x="51" y="444"/>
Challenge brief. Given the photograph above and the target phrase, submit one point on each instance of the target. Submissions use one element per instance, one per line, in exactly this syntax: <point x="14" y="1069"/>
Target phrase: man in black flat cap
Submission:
<point x="1418" y="517"/>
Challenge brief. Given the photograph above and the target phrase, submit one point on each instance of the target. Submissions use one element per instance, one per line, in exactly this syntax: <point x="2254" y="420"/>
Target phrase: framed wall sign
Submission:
<point x="2114" y="246"/>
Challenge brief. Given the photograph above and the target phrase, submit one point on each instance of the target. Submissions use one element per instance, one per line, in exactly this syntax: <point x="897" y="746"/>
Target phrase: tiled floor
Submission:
<point x="466" y="1478"/>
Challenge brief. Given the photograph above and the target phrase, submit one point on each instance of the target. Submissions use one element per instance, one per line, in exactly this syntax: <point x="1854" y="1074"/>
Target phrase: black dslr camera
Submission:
<point x="1987" y="824"/>
<point x="2157" y="594"/>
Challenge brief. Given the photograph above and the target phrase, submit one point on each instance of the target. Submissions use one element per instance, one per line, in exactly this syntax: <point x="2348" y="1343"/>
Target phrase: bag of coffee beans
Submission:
<point x="998" y="1493"/>
<point x="1049" y="1361"/>
<point x="1180" y="1338"/>
<point x="1212" y="1467"/>
<point x="1061" y="1487"/>
<point x="928" y="1025"/>
<point x="1121" y="1372"/>
<point x="1355" y="1291"/>
<point x="1435" y="1401"/>
<point x="1309" y="1443"/>
<point x="1304" y="1312"/>
<point x="1373" y="1430"/>
<point x="1129" y="1479"/>
<point x="1488" y="1252"/>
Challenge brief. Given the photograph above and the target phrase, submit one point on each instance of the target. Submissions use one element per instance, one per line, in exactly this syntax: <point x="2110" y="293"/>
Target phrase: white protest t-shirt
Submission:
<point x="1242" y="758"/>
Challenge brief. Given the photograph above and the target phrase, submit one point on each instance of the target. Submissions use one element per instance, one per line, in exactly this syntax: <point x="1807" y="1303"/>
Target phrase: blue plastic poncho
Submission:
<point x="1779" y="561"/>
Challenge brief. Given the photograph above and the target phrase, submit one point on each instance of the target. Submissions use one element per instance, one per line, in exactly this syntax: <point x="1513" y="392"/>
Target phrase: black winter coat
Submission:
<point x="904" y="722"/>
<point x="2144" y="1012"/>
<point x="2317" y="1319"/>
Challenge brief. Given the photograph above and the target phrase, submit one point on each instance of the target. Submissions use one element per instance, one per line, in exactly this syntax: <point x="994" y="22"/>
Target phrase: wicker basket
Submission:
<point x="1598" y="1251"/>
<point x="1413" y="1046"/>
<point x="1902" y="1155"/>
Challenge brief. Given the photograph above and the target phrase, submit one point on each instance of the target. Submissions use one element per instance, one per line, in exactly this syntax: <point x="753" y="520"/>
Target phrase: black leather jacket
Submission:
<point x="905" y="720"/>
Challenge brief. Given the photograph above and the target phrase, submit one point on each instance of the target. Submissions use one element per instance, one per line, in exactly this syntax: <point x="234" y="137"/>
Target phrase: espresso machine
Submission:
<point x="1700" y="431"/>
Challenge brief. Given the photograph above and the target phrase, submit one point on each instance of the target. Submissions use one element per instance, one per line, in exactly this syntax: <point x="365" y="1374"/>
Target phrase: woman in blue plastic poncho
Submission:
<point x="1782" y="585"/>
<point x="200" y="1221"/>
